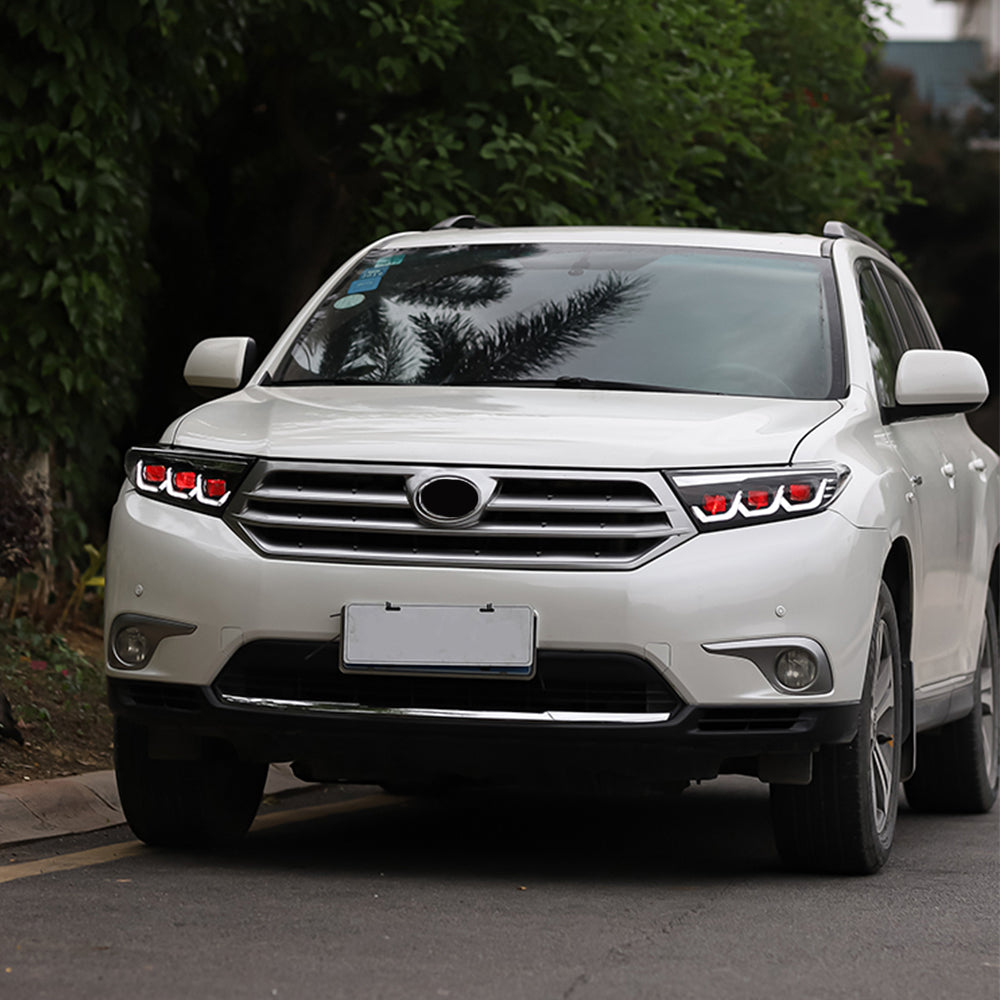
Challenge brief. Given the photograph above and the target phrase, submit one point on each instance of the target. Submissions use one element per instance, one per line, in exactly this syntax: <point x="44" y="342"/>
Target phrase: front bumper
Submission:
<point x="815" y="577"/>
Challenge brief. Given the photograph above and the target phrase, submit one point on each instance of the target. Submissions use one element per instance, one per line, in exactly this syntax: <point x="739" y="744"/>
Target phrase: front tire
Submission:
<point x="843" y="822"/>
<point x="957" y="765"/>
<point x="209" y="802"/>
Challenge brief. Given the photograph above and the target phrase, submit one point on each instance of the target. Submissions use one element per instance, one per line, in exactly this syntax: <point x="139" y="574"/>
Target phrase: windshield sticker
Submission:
<point x="368" y="280"/>
<point x="349" y="301"/>
<point x="396" y="258"/>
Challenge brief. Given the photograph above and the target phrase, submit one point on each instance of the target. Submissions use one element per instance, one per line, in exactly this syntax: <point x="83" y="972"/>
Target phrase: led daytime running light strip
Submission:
<point x="780" y="502"/>
<point x="167" y="486"/>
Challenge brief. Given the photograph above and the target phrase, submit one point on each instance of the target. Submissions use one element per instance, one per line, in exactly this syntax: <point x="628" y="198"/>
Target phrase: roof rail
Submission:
<point x="835" y="230"/>
<point x="463" y="222"/>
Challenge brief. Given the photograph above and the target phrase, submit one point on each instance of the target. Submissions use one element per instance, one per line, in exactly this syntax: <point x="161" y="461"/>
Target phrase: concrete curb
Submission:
<point x="84" y="802"/>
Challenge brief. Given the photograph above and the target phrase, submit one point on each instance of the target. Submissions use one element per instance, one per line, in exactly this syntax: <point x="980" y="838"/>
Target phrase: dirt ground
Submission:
<point x="55" y="686"/>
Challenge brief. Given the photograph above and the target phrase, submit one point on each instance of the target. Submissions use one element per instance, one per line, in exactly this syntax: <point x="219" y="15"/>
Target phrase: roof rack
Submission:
<point x="835" y="230"/>
<point x="463" y="222"/>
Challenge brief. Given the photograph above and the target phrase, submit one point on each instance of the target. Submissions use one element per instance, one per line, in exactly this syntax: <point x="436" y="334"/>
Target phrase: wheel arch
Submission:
<point x="897" y="573"/>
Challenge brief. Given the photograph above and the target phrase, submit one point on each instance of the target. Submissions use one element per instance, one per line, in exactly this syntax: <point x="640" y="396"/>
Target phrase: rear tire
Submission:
<point x="957" y="767"/>
<point x="209" y="802"/>
<point x="844" y="820"/>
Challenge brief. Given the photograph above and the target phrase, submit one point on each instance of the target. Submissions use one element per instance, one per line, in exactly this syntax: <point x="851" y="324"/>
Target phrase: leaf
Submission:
<point x="520" y="76"/>
<point x="29" y="284"/>
<point x="47" y="195"/>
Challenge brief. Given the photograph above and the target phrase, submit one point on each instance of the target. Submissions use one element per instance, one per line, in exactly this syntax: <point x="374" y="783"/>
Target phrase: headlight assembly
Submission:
<point x="202" y="481"/>
<point x="732" y="498"/>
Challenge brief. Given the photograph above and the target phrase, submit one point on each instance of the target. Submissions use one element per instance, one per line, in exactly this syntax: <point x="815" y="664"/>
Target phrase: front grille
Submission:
<point x="302" y="672"/>
<point x="550" y="520"/>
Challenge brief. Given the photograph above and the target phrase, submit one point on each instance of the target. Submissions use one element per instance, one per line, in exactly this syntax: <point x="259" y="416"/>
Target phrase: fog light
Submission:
<point x="796" y="668"/>
<point x="131" y="647"/>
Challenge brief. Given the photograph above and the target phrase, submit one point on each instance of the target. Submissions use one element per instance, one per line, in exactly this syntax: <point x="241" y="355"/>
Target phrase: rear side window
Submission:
<point x="913" y="318"/>
<point x="912" y="328"/>
<point x="884" y="347"/>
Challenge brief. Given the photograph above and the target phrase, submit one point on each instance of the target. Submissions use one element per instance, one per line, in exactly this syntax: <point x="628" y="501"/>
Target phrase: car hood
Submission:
<point x="494" y="425"/>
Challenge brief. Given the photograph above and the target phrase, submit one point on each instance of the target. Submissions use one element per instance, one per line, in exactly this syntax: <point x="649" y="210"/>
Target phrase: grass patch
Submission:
<point x="55" y="684"/>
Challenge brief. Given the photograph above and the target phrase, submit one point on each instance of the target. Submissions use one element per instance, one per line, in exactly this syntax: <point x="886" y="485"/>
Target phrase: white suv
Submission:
<point x="572" y="507"/>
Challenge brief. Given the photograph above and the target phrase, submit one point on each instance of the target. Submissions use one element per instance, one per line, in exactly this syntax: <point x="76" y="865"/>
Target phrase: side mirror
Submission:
<point x="929" y="382"/>
<point x="222" y="363"/>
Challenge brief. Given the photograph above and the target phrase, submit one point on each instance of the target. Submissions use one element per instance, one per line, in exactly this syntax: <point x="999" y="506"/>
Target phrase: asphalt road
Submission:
<point x="354" y="895"/>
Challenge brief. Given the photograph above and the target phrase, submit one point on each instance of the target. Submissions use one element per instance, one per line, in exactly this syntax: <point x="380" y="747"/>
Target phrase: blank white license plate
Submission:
<point x="439" y="639"/>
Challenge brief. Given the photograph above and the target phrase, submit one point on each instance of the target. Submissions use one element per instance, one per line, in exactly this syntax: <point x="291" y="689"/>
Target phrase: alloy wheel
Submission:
<point x="883" y="723"/>
<point x="989" y="720"/>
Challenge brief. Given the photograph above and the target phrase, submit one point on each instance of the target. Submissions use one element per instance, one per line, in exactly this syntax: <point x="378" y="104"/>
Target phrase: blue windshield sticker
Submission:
<point x="396" y="258"/>
<point x="368" y="281"/>
<point x="348" y="301"/>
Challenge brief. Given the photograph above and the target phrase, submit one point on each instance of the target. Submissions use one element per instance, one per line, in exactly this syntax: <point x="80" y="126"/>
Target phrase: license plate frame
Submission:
<point x="439" y="640"/>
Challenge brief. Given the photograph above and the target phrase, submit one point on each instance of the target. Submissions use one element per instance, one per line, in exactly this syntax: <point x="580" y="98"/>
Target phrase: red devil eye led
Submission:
<point x="799" y="492"/>
<point x="215" y="488"/>
<point x="184" y="480"/>
<point x="715" y="504"/>
<point x="756" y="499"/>
<point x="154" y="474"/>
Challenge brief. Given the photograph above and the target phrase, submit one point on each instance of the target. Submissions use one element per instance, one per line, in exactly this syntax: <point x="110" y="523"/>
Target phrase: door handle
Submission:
<point x="978" y="465"/>
<point x="948" y="470"/>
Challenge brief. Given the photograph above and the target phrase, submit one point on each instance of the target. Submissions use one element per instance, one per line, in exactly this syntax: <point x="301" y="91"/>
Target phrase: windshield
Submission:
<point x="573" y="315"/>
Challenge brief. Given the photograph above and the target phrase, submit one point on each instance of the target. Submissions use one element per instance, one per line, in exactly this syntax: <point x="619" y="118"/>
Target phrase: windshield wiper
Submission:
<point x="560" y="382"/>
<point x="583" y="382"/>
<point x="327" y="381"/>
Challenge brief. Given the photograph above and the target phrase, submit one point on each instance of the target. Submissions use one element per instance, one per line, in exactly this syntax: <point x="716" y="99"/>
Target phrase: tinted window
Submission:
<point x="930" y="334"/>
<point x="884" y="347"/>
<point x="691" y="320"/>
<point x="913" y="331"/>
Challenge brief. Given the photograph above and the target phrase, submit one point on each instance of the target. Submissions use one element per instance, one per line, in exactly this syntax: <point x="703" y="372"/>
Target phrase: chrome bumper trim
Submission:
<point x="341" y="708"/>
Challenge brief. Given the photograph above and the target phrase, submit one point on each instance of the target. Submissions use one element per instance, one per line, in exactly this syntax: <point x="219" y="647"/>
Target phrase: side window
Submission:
<point x="924" y="319"/>
<point x="884" y="347"/>
<point x="913" y="330"/>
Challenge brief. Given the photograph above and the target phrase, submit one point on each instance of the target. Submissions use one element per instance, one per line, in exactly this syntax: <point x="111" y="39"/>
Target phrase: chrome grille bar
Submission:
<point x="333" y="523"/>
<point x="333" y="498"/>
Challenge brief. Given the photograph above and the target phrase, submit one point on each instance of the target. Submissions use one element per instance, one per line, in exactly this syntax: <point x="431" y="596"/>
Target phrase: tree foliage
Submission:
<point x="86" y="88"/>
<point x="950" y="233"/>
<point x="831" y="154"/>
<point x="177" y="168"/>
